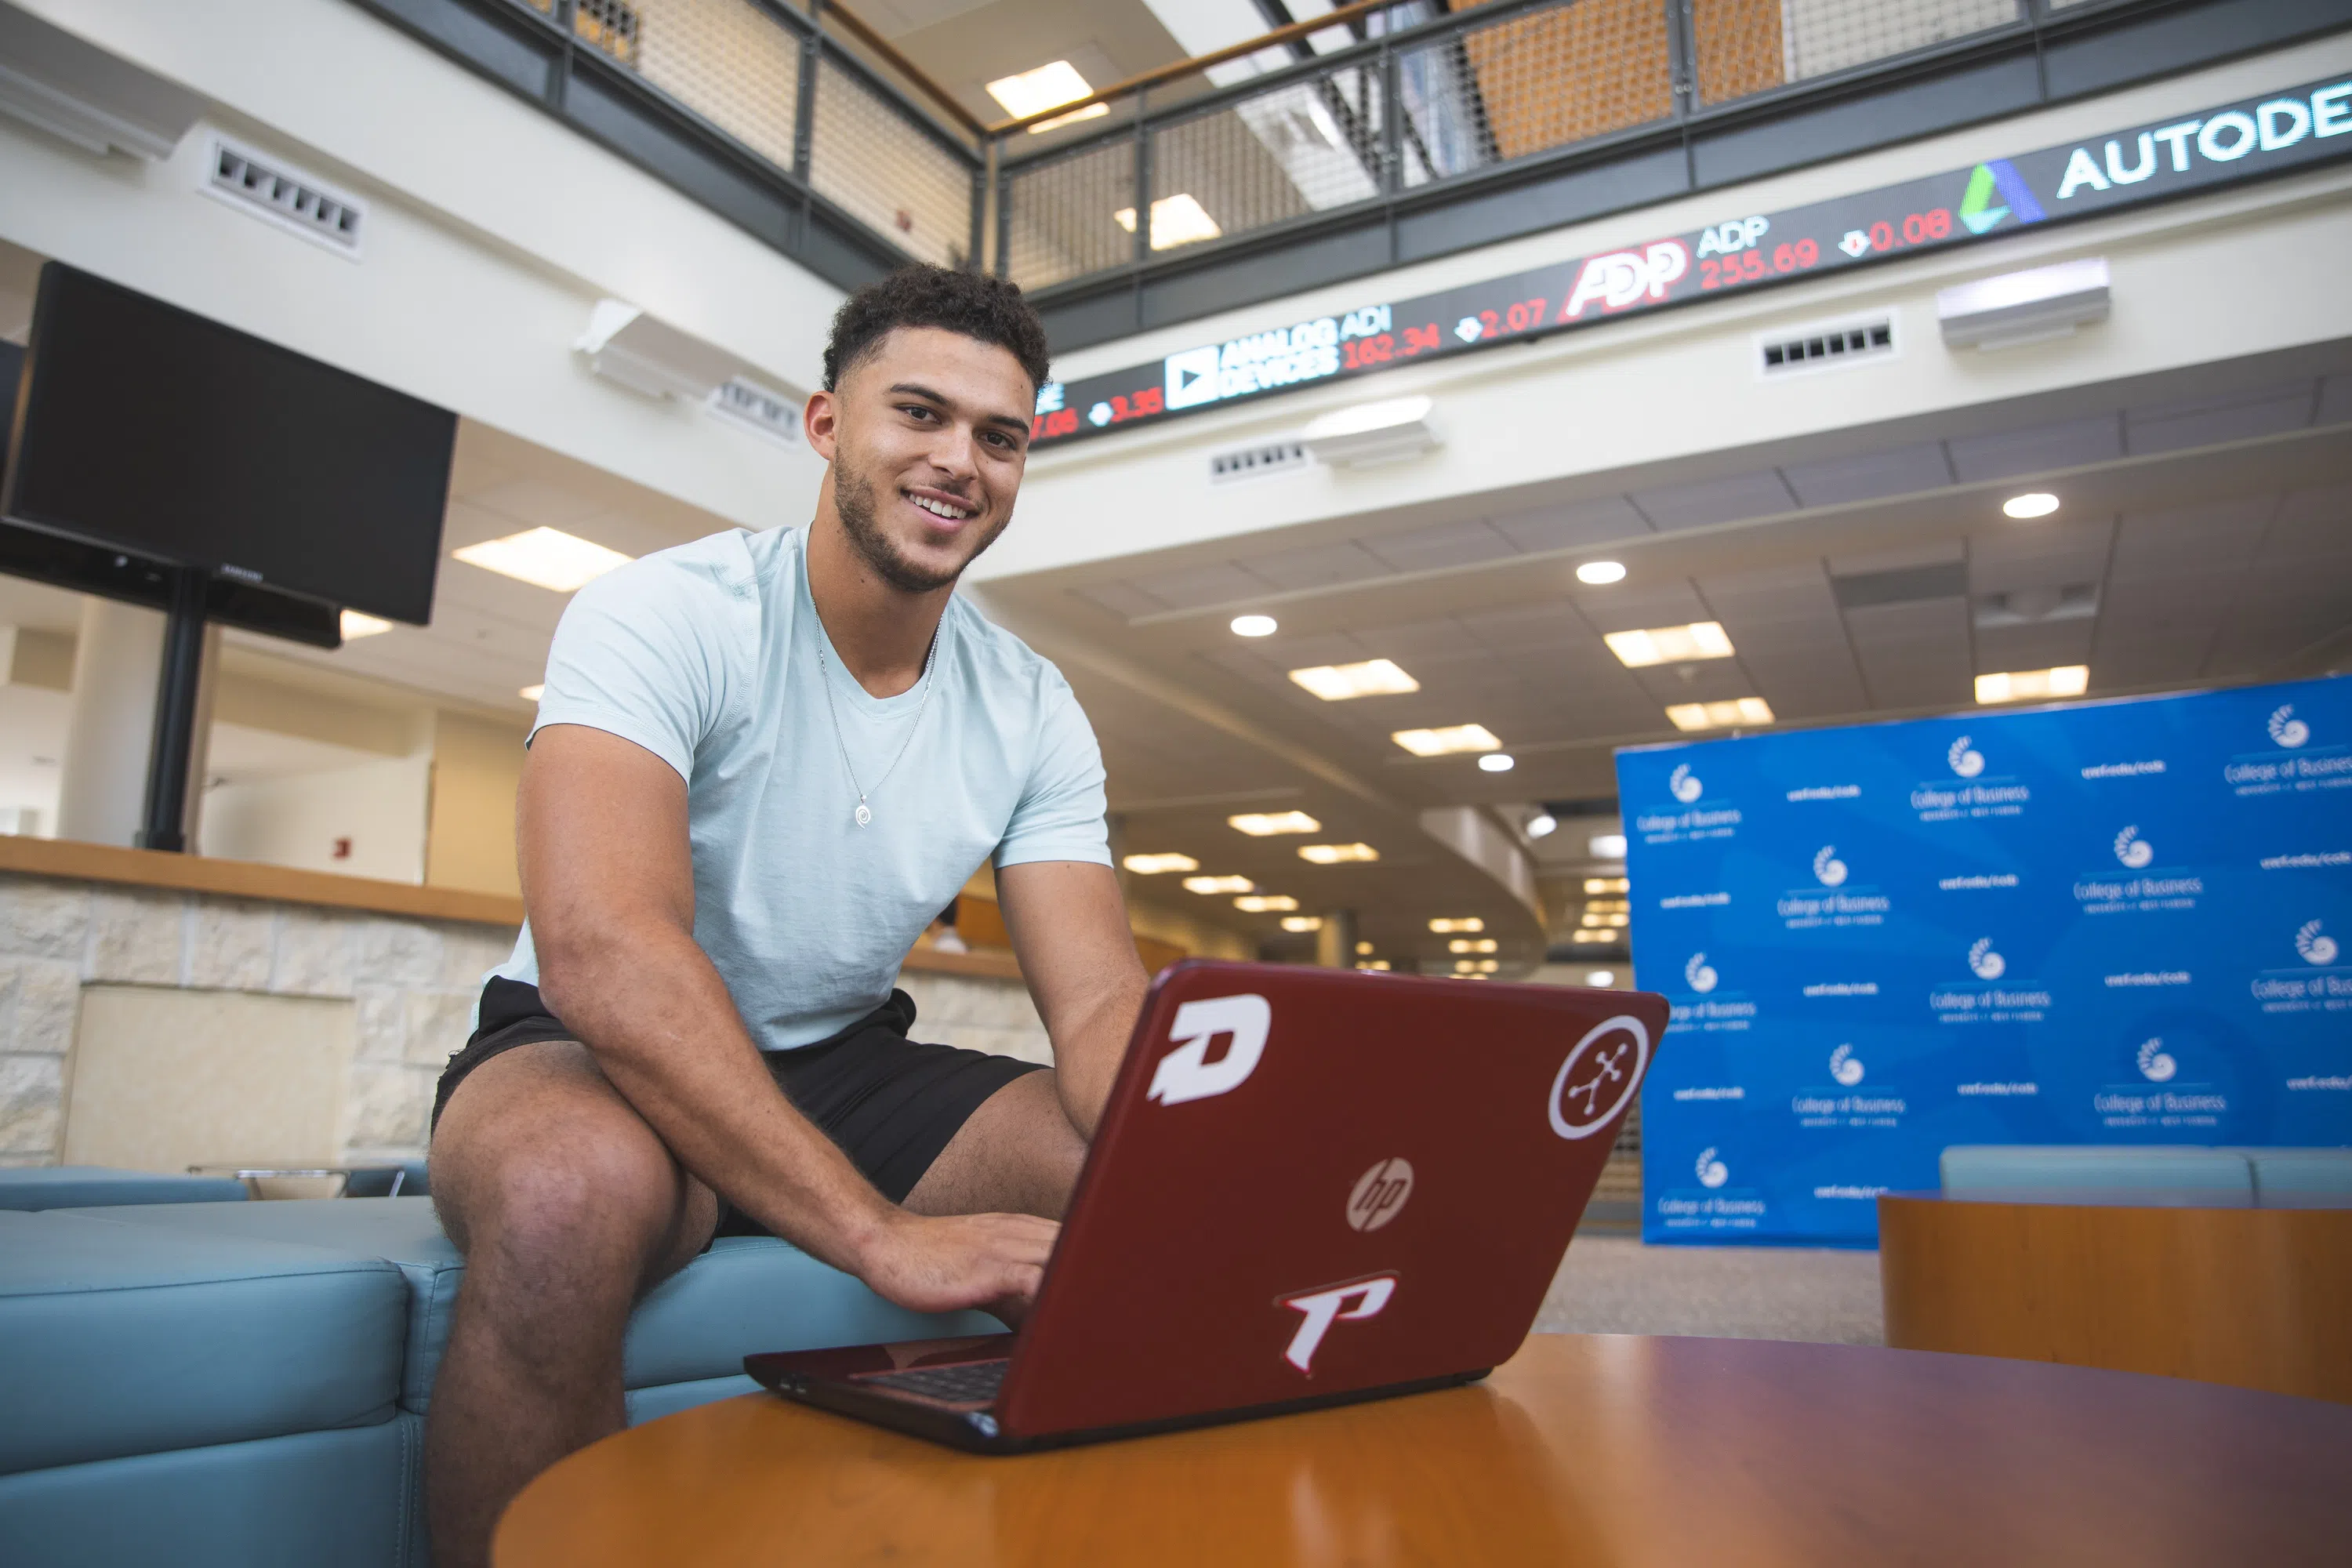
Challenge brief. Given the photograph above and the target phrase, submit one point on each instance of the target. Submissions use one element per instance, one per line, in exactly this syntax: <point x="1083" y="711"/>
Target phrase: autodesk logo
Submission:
<point x="1684" y="785"/>
<point x="1702" y="978"/>
<point x="2154" y="1065"/>
<point x="1828" y="867"/>
<point x="1999" y="177"/>
<point x="1986" y="963"/>
<point x="2287" y="728"/>
<point x="1964" y="761"/>
<point x="1845" y="1066"/>
<point x="1712" y="1172"/>
<point x="2315" y="946"/>
<point x="2132" y="849"/>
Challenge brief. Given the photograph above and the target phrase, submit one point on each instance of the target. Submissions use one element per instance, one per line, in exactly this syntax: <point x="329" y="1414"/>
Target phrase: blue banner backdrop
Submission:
<point x="2113" y="923"/>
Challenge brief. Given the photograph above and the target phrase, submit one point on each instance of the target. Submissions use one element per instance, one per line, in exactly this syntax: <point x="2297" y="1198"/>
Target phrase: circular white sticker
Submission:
<point x="1380" y="1195"/>
<point x="1599" y="1075"/>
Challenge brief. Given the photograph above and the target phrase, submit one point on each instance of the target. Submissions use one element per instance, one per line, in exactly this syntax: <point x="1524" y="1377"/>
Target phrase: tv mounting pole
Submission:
<point x="179" y="689"/>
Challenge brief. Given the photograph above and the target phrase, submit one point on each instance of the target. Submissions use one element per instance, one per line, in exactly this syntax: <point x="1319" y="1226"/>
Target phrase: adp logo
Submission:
<point x="1684" y="785"/>
<point x="2287" y="728"/>
<point x="1845" y="1066"/>
<point x="1330" y="1304"/>
<point x="1599" y="1077"/>
<point x="1712" y="1172"/>
<point x="2315" y="946"/>
<point x="1702" y="978"/>
<point x="2154" y="1065"/>
<point x="1965" y="759"/>
<point x="1984" y="963"/>
<point x="2132" y="849"/>
<point x="1186" y="1073"/>
<point x="1828" y="869"/>
<point x="1625" y="278"/>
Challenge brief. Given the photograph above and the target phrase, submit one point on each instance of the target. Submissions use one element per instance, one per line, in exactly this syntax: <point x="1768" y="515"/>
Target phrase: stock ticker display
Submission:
<point x="2245" y="140"/>
<point x="2113" y="922"/>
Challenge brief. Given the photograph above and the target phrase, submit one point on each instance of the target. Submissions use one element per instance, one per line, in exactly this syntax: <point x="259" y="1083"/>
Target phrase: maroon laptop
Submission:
<point x="1310" y="1186"/>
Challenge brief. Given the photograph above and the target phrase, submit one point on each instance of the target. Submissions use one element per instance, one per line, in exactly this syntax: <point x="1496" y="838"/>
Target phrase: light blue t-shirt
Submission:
<point x="707" y="655"/>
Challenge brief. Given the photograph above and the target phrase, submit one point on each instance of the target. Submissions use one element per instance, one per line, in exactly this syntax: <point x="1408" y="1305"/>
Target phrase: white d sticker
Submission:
<point x="1186" y="1073"/>
<point x="1599" y="1075"/>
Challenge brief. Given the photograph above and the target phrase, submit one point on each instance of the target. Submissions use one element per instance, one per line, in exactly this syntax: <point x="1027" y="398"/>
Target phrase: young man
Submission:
<point x="762" y="763"/>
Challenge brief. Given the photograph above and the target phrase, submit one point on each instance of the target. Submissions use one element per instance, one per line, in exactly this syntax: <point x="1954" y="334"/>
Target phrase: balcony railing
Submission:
<point x="1381" y="133"/>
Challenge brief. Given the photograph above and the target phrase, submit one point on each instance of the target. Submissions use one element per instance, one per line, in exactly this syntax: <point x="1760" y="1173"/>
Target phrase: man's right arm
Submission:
<point x="608" y="879"/>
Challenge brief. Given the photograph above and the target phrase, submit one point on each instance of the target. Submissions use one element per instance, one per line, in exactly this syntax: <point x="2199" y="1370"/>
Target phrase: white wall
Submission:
<point x="382" y="807"/>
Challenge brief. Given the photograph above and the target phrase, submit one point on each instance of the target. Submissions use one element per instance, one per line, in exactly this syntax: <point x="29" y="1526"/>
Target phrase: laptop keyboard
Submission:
<point x="969" y="1383"/>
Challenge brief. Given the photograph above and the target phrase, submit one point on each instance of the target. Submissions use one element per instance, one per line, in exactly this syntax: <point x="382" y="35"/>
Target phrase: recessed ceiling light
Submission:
<point x="1337" y="854"/>
<point x="1461" y="923"/>
<point x="1745" y="711"/>
<point x="1603" y="977"/>
<point x="543" y="557"/>
<point x="1471" y="944"/>
<point x="1669" y="645"/>
<point x="1607" y="845"/>
<point x="1447" y="740"/>
<point x="1264" y="824"/>
<point x="2016" y="685"/>
<point x="2033" y="503"/>
<point x="356" y="624"/>
<point x="1176" y="220"/>
<point x="1048" y="86"/>
<point x="1218" y="884"/>
<point x="1497" y="762"/>
<point x="1488" y="965"/>
<point x="1542" y="825"/>
<point x="1374" y="965"/>
<point x="1606" y="885"/>
<point x="1591" y="936"/>
<point x="1302" y="922"/>
<point x="533" y="693"/>
<point x="1254" y="626"/>
<point x="1338" y="682"/>
<point x="1363" y="949"/>
<point x="1157" y="865"/>
<point x="1600" y="573"/>
<point x="1264" y="903"/>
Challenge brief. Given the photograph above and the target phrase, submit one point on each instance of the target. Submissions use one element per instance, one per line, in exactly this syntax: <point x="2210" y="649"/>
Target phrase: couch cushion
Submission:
<point x="669" y="1398"/>
<point x="79" y="1186"/>
<point x="129" y="1339"/>
<point x="2209" y="1174"/>
<point x="307" y="1500"/>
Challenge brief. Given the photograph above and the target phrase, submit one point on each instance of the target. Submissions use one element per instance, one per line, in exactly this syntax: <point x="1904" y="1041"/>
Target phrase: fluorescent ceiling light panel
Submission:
<point x="1048" y="86"/>
<point x="1607" y="885"/>
<point x="544" y="557"/>
<point x="1743" y="711"/>
<point x="1462" y="923"/>
<point x="356" y="624"/>
<point x="2017" y="685"/>
<point x="1302" y="922"/>
<point x="1338" y="682"/>
<point x="1471" y="944"/>
<point x="1448" y="740"/>
<point x="1375" y="965"/>
<point x="1264" y="824"/>
<point x="1218" y="884"/>
<point x="1175" y="220"/>
<point x="1337" y="854"/>
<point x="1158" y="865"/>
<point x="1264" y="903"/>
<point x="1592" y="936"/>
<point x="1607" y="845"/>
<point x="1669" y="645"/>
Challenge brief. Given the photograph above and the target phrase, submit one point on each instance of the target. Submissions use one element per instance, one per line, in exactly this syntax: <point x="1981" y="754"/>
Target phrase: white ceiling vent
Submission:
<point x="762" y="410"/>
<point x="275" y="191"/>
<point x="1257" y="461"/>
<point x="1793" y="352"/>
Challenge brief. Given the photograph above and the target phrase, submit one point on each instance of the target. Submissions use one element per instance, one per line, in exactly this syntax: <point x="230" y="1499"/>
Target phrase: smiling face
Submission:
<point x="927" y="434"/>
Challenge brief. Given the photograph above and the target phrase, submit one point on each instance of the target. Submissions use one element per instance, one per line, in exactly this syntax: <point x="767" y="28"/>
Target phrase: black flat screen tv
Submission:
<point x="146" y="429"/>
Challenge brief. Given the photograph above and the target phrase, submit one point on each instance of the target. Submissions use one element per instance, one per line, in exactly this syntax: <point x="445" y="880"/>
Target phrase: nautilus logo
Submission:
<point x="2315" y="946"/>
<point x="2132" y="849"/>
<point x="2154" y="1065"/>
<point x="1986" y="963"/>
<point x="1712" y="1172"/>
<point x="1845" y="1066"/>
<point x="1703" y="978"/>
<point x="1828" y="867"/>
<point x="1966" y="762"/>
<point x="1684" y="785"/>
<point x="2287" y="728"/>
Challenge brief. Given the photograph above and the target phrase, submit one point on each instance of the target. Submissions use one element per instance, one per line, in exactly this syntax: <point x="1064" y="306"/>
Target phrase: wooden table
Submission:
<point x="1584" y="1448"/>
<point x="2184" y="1285"/>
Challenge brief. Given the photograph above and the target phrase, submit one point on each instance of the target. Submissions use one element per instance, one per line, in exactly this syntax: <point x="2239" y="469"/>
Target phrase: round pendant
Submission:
<point x="864" y="815"/>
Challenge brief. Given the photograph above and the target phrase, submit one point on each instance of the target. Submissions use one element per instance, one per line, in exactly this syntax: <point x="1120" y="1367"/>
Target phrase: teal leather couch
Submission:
<point x="239" y="1385"/>
<point x="2155" y="1173"/>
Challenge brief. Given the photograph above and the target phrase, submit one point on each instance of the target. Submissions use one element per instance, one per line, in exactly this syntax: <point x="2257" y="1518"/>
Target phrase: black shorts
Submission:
<point x="890" y="1103"/>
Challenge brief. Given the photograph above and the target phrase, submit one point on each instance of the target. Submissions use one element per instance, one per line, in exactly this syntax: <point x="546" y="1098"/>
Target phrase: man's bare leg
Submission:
<point x="568" y="1208"/>
<point x="1018" y="1154"/>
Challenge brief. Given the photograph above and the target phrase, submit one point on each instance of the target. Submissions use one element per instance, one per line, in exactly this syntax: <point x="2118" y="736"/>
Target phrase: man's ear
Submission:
<point x="821" y="423"/>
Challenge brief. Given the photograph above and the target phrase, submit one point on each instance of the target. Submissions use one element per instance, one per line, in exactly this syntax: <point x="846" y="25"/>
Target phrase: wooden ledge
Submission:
<point x="251" y="880"/>
<point x="990" y="963"/>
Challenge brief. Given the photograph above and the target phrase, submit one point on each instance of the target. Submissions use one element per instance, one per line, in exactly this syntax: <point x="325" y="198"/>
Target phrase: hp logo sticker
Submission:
<point x="1380" y="1195"/>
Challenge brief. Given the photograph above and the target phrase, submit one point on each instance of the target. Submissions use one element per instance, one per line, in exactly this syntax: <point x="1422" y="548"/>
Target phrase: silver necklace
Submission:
<point x="864" y="815"/>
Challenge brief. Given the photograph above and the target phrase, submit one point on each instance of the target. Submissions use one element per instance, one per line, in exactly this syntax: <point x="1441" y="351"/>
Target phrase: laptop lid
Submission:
<point x="1308" y="1181"/>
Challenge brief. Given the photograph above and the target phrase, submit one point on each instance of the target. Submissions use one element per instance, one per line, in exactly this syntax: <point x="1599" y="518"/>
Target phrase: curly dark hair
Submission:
<point x="988" y="308"/>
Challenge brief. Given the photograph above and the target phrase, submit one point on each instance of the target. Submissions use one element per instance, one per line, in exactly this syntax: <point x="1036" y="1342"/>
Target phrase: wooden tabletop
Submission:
<point x="1596" y="1448"/>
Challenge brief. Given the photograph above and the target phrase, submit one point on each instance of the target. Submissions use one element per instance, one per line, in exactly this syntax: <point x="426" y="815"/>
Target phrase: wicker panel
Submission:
<point x="1533" y="82"/>
<point x="1746" y="45"/>
<point x="867" y="156"/>
<point x="1060" y="219"/>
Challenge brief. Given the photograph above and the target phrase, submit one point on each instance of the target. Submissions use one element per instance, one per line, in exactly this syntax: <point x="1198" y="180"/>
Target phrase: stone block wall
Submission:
<point x="977" y="1014"/>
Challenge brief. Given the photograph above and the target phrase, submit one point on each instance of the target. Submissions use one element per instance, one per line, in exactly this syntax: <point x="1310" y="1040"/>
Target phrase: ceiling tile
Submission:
<point x="2310" y="522"/>
<point x="1441" y="637"/>
<point x="534" y="503"/>
<point x="2038" y="450"/>
<point x="1447" y="544"/>
<point x="1709" y="681"/>
<point x="1529" y="627"/>
<point x="2206" y="422"/>
<point x="1315" y="565"/>
<point x="2158" y="543"/>
<point x="1288" y="653"/>
<point x="1905" y="470"/>
<point x="1670" y="602"/>
<point x="1741" y="496"/>
<point x="1865" y="562"/>
<point x="2179" y="655"/>
<point x="1594" y="522"/>
<point x="2036" y="647"/>
<point x="1194" y="586"/>
<point x="2335" y="400"/>
<point x="1121" y="599"/>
